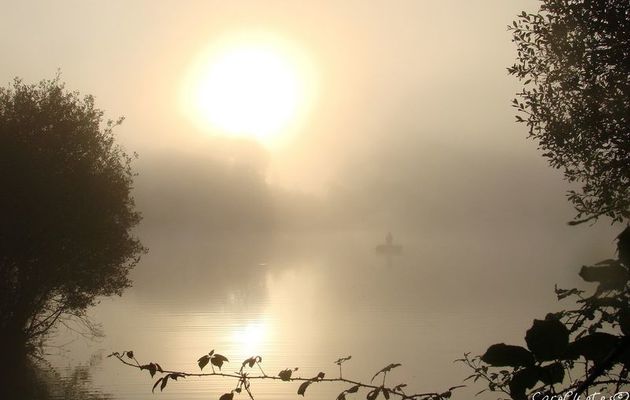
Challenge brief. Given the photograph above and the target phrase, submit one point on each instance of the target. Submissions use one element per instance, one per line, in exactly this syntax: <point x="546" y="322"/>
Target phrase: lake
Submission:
<point x="304" y="300"/>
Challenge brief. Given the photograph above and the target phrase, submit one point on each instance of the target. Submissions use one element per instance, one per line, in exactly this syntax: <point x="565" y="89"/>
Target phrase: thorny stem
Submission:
<point x="260" y="368"/>
<point x="251" y="396"/>
<point x="481" y="373"/>
<point x="398" y="392"/>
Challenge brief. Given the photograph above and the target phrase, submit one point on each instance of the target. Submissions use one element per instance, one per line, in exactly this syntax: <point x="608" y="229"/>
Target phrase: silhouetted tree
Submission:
<point x="574" y="59"/>
<point x="66" y="212"/>
<point x="574" y="56"/>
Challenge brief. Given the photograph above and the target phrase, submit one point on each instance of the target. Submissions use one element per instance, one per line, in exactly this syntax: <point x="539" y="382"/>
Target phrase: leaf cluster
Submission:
<point x="572" y="57"/>
<point x="572" y="350"/>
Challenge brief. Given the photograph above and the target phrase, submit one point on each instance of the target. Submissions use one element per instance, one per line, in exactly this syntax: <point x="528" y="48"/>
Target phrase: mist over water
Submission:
<point x="247" y="267"/>
<point x="269" y="249"/>
<point x="305" y="299"/>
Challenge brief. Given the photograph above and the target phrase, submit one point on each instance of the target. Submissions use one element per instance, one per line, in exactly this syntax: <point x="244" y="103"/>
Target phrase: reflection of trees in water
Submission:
<point x="190" y="270"/>
<point x="39" y="380"/>
<point x="204" y="194"/>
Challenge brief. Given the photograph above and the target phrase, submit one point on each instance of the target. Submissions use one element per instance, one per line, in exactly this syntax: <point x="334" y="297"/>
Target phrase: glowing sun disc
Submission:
<point x="249" y="88"/>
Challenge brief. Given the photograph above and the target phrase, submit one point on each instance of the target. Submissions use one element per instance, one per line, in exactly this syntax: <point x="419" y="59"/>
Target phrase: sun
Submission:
<point x="251" y="87"/>
<point x="250" y="338"/>
<point x="249" y="91"/>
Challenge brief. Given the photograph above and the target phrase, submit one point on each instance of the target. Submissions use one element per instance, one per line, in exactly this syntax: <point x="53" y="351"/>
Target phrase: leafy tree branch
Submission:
<point x="574" y="350"/>
<point x="572" y="58"/>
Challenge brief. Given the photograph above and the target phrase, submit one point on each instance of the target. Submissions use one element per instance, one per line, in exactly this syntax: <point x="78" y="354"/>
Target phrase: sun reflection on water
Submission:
<point x="251" y="337"/>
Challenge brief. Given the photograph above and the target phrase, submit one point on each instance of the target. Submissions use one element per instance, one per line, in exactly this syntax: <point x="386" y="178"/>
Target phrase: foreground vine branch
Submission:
<point x="244" y="379"/>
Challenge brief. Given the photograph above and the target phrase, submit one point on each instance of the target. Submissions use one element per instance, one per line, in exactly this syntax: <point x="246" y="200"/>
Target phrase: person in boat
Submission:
<point x="389" y="248"/>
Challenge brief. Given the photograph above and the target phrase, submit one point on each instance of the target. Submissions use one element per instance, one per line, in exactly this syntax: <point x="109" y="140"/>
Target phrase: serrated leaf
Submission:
<point x="552" y="373"/>
<point x="155" y="384"/>
<point x="164" y="382"/>
<point x="174" y="376"/>
<point x="285" y="374"/>
<point x="521" y="381"/>
<point x="372" y="395"/>
<point x="610" y="277"/>
<point x="250" y="361"/>
<point x="218" y="360"/>
<point x="227" y="396"/>
<point x="342" y="360"/>
<point x="203" y="361"/>
<point x="398" y="387"/>
<point x="547" y="339"/>
<point x="503" y="355"/>
<point x="385" y="370"/>
<point x="303" y="387"/>
<point x="353" y="389"/>
<point x="594" y="347"/>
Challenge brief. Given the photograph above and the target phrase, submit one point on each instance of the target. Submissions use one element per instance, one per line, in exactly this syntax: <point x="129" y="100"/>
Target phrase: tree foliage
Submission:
<point x="574" y="59"/>
<point x="573" y="350"/>
<point x="66" y="210"/>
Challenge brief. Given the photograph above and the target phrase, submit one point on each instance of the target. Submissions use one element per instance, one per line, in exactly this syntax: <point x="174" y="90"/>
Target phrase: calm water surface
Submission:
<point x="306" y="300"/>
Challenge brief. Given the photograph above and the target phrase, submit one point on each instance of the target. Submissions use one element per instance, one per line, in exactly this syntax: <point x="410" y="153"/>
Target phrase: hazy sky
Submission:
<point x="410" y="70"/>
<point x="411" y="104"/>
<point x="408" y="129"/>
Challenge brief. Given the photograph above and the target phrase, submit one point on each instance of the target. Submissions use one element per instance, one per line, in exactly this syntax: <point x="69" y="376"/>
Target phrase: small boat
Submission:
<point x="389" y="248"/>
